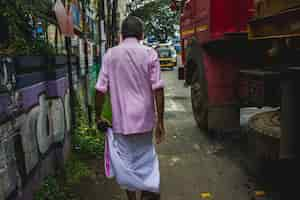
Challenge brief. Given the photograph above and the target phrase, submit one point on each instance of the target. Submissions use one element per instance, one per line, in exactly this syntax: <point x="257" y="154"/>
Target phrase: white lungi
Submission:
<point x="133" y="161"/>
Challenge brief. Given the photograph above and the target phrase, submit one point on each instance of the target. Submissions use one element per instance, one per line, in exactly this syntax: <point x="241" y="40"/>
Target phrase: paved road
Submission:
<point x="191" y="163"/>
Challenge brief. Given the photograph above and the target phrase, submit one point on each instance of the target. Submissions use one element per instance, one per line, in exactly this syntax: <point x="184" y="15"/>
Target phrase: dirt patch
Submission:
<point x="97" y="186"/>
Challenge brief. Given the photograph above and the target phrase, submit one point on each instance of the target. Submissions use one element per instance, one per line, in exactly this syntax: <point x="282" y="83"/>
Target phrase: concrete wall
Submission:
<point x="34" y="128"/>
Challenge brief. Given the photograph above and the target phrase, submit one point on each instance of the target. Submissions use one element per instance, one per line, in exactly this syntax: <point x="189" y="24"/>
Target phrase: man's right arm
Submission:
<point x="160" y="103"/>
<point x="101" y="87"/>
<point x="158" y="90"/>
<point x="160" y="106"/>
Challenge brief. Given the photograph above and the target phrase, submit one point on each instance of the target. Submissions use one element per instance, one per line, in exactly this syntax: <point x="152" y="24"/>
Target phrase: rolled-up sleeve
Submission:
<point x="155" y="74"/>
<point x="103" y="78"/>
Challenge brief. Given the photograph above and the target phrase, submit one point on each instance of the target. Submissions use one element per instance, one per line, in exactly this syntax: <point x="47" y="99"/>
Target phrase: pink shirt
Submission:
<point x="131" y="72"/>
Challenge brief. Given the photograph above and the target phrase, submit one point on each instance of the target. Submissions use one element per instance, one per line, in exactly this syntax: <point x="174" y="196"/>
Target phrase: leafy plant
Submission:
<point x="59" y="187"/>
<point x="85" y="140"/>
<point x="75" y="170"/>
<point x="50" y="190"/>
<point x="19" y="17"/>
<point x="160" y="21"/>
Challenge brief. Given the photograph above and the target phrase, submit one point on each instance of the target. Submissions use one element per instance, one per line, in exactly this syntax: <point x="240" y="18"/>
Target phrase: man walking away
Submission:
<point x="131" y="74"/>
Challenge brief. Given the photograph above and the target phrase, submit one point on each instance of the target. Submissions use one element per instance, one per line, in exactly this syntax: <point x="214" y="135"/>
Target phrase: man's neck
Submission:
<point x="131" y="39"/>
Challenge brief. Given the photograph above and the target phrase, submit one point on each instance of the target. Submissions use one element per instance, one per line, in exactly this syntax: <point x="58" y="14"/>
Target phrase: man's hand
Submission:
<point x="160" y="132"/>
<point x="102" y="124"/>
<point x="102" y="120"/>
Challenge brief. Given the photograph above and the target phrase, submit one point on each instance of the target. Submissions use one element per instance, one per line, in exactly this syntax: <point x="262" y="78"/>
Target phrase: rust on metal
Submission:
<point x="281" y="25"/>
<point x="266" y="8"/>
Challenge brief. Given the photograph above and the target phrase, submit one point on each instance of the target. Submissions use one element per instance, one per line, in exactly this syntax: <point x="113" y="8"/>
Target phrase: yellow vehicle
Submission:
<point x="167" y="56"/>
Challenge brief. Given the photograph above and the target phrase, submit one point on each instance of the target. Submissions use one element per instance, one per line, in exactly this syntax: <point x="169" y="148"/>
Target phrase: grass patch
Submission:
<point x="89" y="142"/>
<point x="75" y="169"/>
<point x="86" y="141"/>
<point x="51" y="190"/>
<point x="58" y="187"/>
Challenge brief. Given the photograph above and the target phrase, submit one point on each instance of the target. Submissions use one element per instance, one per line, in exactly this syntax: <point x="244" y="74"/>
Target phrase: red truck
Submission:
<point x="211" y="68"/>
<point x="244" y="53"/>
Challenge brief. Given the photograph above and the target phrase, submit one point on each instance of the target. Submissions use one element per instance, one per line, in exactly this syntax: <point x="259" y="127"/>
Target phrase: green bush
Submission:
<point x="59" y="187"/>
<point x="75" y="169"/>
<point x="50" y="190"/>
<point x="86" y="140"/>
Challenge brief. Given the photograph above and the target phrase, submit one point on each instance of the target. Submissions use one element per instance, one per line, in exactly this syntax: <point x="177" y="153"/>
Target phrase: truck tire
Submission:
<point x="199" y="105"/>
<point x="195" y="77"/>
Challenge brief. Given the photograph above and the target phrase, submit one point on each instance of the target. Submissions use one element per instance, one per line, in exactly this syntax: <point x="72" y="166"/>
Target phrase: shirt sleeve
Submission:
<point x="103" y="78"/>
<point x="155" y="74"/>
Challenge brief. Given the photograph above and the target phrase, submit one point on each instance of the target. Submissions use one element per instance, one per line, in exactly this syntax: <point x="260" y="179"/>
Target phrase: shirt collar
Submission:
<point x="130" y="40"/>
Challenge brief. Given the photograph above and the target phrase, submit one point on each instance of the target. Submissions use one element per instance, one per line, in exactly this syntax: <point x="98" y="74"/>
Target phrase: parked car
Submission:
<point x="177" y="48"/>
<point x="167" y="56"/>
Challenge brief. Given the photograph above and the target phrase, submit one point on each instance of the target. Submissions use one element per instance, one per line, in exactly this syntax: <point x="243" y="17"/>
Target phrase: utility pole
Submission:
<point x="86" y="64"/>
<point x="114" y="21"/>
<point x="68" y="45"/>
<point x="70" y="82"/>
<point x="109" y="22"/>
<point x="101" y="26"/>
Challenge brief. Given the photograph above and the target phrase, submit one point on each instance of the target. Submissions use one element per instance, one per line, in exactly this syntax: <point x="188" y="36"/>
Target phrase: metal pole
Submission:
<point x="114" y="21"/>
<point x="70" y="80"/>
<point x="109" y="22"/>
<point x="86" y="62"/>
<point x="289" y="147"/>
<point x="86" y="79"/>
<point x="101" y="28"/>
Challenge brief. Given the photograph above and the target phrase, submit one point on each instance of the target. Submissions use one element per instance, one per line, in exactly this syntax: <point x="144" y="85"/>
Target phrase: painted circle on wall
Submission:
<point x="44" y="135"/>
<point x="68" y="111"/>
<point x="29" y="139"/>
<point x="57" y="114"/>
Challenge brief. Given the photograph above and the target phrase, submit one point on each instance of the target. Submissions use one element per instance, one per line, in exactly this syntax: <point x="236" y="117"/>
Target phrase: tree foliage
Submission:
<point x="18" y="22"/>
<point x="160" y="20"/>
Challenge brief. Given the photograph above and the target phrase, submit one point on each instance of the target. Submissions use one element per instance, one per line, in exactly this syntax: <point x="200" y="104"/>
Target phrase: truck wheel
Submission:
<point x="199" y="105"/>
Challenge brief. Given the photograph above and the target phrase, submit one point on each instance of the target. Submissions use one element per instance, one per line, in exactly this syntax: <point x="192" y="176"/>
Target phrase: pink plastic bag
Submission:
<point x="107" y="160"/>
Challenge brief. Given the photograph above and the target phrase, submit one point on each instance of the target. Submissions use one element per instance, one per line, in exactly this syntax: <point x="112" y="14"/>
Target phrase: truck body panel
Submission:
<point x="211" y="19"/>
